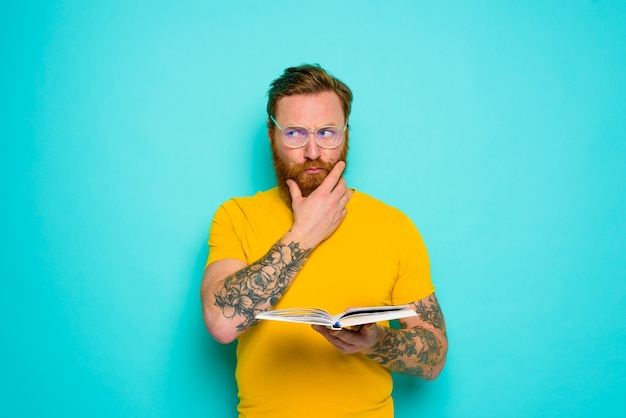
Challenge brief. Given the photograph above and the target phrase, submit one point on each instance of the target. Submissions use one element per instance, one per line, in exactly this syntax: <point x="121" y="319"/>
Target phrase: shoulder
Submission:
<point x="260" y="208"/>
<point x="263" y="198"/>
<point x="366" y="203"/>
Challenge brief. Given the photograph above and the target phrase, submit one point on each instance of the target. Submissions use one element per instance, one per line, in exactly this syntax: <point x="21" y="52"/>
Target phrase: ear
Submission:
<point x="270" y="128"/>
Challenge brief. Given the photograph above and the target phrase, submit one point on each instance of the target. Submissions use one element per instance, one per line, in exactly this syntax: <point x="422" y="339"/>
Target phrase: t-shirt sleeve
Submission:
<point x="224" y="240"/>
<point x="414" y="281"/>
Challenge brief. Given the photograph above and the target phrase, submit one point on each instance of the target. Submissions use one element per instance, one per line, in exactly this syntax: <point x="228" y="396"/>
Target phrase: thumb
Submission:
<point x="294" y="190"/>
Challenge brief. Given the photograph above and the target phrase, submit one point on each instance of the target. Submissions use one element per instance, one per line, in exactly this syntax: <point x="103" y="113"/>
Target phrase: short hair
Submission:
<point x="307" y="79"/>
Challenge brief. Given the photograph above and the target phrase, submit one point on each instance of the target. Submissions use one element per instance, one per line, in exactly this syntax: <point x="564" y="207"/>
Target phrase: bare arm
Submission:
<point x="232" y="293"/>
<point x="418" y="349"/>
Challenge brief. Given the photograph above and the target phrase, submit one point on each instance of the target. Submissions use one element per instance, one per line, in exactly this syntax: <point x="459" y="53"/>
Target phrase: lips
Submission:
<point x="314" y="170"/>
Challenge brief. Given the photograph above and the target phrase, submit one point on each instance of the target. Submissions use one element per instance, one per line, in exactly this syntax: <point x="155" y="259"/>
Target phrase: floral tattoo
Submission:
<point x="248" y="291"/>
<point x="399" y="346"/>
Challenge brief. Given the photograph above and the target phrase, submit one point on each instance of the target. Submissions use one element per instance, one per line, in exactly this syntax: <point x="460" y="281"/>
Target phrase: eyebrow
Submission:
<point x="299" y="125"/>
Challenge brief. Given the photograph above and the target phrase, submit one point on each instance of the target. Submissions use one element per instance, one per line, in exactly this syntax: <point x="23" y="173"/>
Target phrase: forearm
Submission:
<point x="419" y="348"/>
<point x="416" y="351"/>
<point x="231" y="304"/>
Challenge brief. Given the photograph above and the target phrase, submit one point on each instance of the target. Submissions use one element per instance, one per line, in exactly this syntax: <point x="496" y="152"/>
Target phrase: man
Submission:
<point x="314" y="242"/>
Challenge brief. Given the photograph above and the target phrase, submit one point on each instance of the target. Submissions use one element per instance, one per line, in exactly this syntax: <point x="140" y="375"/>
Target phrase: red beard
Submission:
<point x="307" y="182"/>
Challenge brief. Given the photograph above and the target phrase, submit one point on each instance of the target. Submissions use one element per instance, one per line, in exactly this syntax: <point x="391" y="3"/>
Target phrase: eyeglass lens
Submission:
<point x="327" y="137"/>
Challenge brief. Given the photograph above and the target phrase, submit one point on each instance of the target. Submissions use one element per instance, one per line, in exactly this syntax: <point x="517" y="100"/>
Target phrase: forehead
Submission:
<point x="310" y="109"/>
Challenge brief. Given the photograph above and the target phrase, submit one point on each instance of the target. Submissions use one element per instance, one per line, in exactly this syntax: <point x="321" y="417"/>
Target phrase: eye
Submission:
<point x="295" y="133"/>
<point x="327" y="133"/>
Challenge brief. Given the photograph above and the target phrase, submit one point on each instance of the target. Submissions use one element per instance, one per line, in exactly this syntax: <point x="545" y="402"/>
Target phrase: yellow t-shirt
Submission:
<point x="375" y="257"/>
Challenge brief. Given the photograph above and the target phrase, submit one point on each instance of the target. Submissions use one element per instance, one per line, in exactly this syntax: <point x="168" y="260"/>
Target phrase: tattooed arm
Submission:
<point x="418" y="349"/>
<point x="232" y="292"/>
<point x="231" y="300"/>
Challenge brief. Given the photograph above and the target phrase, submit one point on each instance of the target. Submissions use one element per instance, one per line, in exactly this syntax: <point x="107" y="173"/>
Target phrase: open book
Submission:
<point x="351" y="317"/>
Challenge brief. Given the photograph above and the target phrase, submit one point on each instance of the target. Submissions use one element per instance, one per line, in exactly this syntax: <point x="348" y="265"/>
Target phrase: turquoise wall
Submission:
<point x="498" y="126"/>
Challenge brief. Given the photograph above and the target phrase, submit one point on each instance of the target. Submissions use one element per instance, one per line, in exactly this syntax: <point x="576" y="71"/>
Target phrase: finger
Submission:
<point x="330" y="334"/>
<point x="333" y="177"/>
<point x="346" y="336"/>
<point x="346" y="341"/>
<point x="338" y="170"/>
<point x="318" y="328"/>
<point x="324" y="330"/>
<point x="343" y="347"/>
<point x="337" y="342"/>
<point x="341" y="188"/>
<point x="294" y="190"/>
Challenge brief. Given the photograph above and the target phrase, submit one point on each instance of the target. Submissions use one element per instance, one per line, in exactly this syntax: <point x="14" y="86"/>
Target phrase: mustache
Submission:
<point x="298" y="169"/>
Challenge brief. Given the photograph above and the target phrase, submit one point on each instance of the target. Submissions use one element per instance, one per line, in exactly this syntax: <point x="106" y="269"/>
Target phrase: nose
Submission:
<point x="311" y="149"/>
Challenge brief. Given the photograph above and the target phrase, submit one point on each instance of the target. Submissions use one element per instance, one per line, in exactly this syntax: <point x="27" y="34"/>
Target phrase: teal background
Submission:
<point x="498" y="126"/>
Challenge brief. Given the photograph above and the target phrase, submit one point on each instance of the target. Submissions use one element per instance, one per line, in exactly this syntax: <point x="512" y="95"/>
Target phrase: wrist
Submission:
<point x="302" y="239"/>
<point x="378" y="334"/>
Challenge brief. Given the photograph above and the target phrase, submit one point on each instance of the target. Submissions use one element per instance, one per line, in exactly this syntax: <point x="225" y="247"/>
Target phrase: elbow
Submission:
<point x="222" y="338"/>
<point x="215" y="323"/>
<point x="435" y="371"/>
<point x="438" y="366"/>
<point x="219" y="331"/>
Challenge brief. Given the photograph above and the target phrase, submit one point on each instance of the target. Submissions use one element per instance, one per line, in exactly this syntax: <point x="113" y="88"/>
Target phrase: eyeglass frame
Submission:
<point x="308" y="137"/>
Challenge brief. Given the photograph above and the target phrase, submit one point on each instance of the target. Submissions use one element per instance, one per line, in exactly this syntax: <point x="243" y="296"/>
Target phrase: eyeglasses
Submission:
<point x="328" y="137"/>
